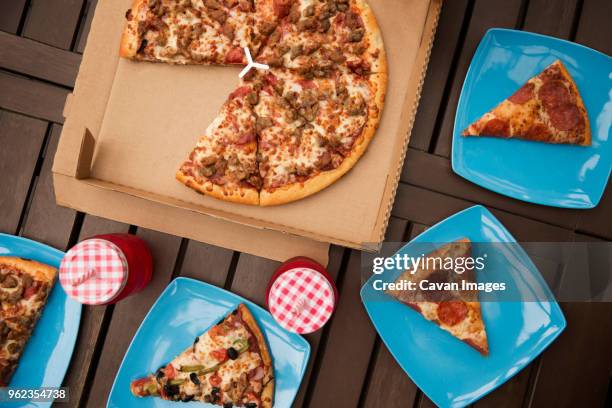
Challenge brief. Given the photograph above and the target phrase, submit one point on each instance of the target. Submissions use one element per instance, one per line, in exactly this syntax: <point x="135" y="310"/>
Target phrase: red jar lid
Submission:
<point x="301" y="296"/>
<point x="94" y="271"/>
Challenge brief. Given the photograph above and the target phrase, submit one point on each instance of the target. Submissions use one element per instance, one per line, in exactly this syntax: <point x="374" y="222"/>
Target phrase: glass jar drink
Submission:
<point x="106" y="268"/>
<point x="301" y="295"/>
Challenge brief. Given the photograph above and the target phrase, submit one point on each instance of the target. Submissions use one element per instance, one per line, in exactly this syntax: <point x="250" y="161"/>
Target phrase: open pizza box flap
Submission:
<point x="130" y="125"/>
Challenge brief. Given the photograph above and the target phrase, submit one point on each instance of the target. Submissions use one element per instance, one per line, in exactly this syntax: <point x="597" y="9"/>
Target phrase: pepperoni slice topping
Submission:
<point x="523" y="95"/>
<point x="281" y="7"/>
<point x="553" y="93"/>
<point x="562" y="110"/>
<point x="234" y="56"/>
<point x="538" y="132"/>
<point x="438" y="295"/>
<point x="305" y="84"/>
<point x="215" y="380"/>
<point x="452" y="313"/>
<point x="220" y="355"/>
<point x="551" y="73"/>
<point x="170" y="371"/>
<point x="240" y="92"/>
<point x="566" y="117"/>
<point x="496" y="127"/>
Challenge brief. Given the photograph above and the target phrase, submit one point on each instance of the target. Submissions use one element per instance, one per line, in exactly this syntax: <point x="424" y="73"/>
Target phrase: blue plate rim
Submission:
<point x="251" y="304"/>
<point x="562" y="324"/>
<point x="461" y="171"/>
<point x="78" y="306"/>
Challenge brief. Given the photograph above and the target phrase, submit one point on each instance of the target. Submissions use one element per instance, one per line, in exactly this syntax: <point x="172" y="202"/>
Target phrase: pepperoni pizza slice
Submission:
<point x="224" y="162"/>
<point x="228" y="366"/>
<point x="196" y="31"/>
<point x="547" y="108"/>
<point x="449" y="306"/>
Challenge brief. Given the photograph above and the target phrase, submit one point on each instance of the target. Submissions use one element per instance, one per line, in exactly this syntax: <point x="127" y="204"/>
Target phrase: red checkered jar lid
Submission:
<point x="94" y="271"/>
<point x="301" y="300"/>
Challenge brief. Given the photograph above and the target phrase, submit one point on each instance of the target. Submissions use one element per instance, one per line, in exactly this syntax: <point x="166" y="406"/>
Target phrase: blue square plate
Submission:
<point x="450" y="372"/>
<point x="556" y="175"/>
<point x="185" y="310"/>
<point x="47" y="354"/>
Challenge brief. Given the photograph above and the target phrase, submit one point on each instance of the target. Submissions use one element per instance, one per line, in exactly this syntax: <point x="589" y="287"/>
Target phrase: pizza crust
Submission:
<point x="36" y="270"/>
<point x="130" y="40"/>
<point x="579" y="104"/>
<point x="375" y="40"/>
<point x="267" y="394"/>
<point x="241" y="196"/>
<point x="296" y="191"/>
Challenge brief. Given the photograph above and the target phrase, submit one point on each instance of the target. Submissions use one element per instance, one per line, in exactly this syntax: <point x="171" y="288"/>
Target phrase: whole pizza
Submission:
<point x="287" y="132"/>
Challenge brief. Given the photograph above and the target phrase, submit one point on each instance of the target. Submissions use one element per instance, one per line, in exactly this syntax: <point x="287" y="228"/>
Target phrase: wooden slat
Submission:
<point x="128" y="314"/>
<point x="350" y="340"/>
<point x="25" y="56"/>
<point x="85" y="25"/>
<point x="333" y="267"/>
<point x="10" y="15"/>
<point x="594" y="28"/>
<point x="425" y="402"/>
<point x="46" y="222"/>
<point x="21" y="139"/>
<point x="252" y="276"/>
<point x="32" y="98"/>
<point x="53" y="22"/>
<point x="91" y="333"/>
<point x="510" y="394"/>
<point x="598" y="221"/>
<point x="486" y="14"/>
<point x="434" y="172"/>
<point x="438" y="70"/>
<point x="429" y="207"/>
<point x="551" y="17"/>
<point x="389" y="384"/>
<point x="575" y="369"/>
<point x="207" y="263"/>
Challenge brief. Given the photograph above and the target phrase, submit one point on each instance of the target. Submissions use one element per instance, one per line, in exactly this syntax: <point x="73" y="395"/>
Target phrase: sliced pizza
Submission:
<point x="283" y="135"/>
<point x="547" y="108"/>
<point x="319" y="37"/>
<point x="24" y="289"/>
<point x="196" y="31"/>
<point x="229" y="366"/>
<point x="224" y="162"/>
<point x="311" y="132"/>
<point x="455" y="310"/>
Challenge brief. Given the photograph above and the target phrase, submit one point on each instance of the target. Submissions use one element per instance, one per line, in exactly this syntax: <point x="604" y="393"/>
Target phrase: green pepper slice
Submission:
<point x="191" y="368"/>
<point x="241" y="345"/>
<point x="209" y="369"/>
<point x="151" y="388"/>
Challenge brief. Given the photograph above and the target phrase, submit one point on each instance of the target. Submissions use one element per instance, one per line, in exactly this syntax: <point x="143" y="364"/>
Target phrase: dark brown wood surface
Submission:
<point x="41" y="42"/>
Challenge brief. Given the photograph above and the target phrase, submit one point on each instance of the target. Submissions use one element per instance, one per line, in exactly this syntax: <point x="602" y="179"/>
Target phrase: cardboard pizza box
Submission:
<point x="130" y="125"/>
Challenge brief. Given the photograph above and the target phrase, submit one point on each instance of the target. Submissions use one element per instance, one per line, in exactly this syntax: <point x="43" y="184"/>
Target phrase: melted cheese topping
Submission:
<point x="19" y="312"/>
<point x="229" y="138"/>
<point x="188" y="32"/>
<point x="294" y="147"/>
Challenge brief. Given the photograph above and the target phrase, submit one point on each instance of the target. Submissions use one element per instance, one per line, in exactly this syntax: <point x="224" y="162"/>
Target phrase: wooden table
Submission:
<point x="41" y="42"/>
